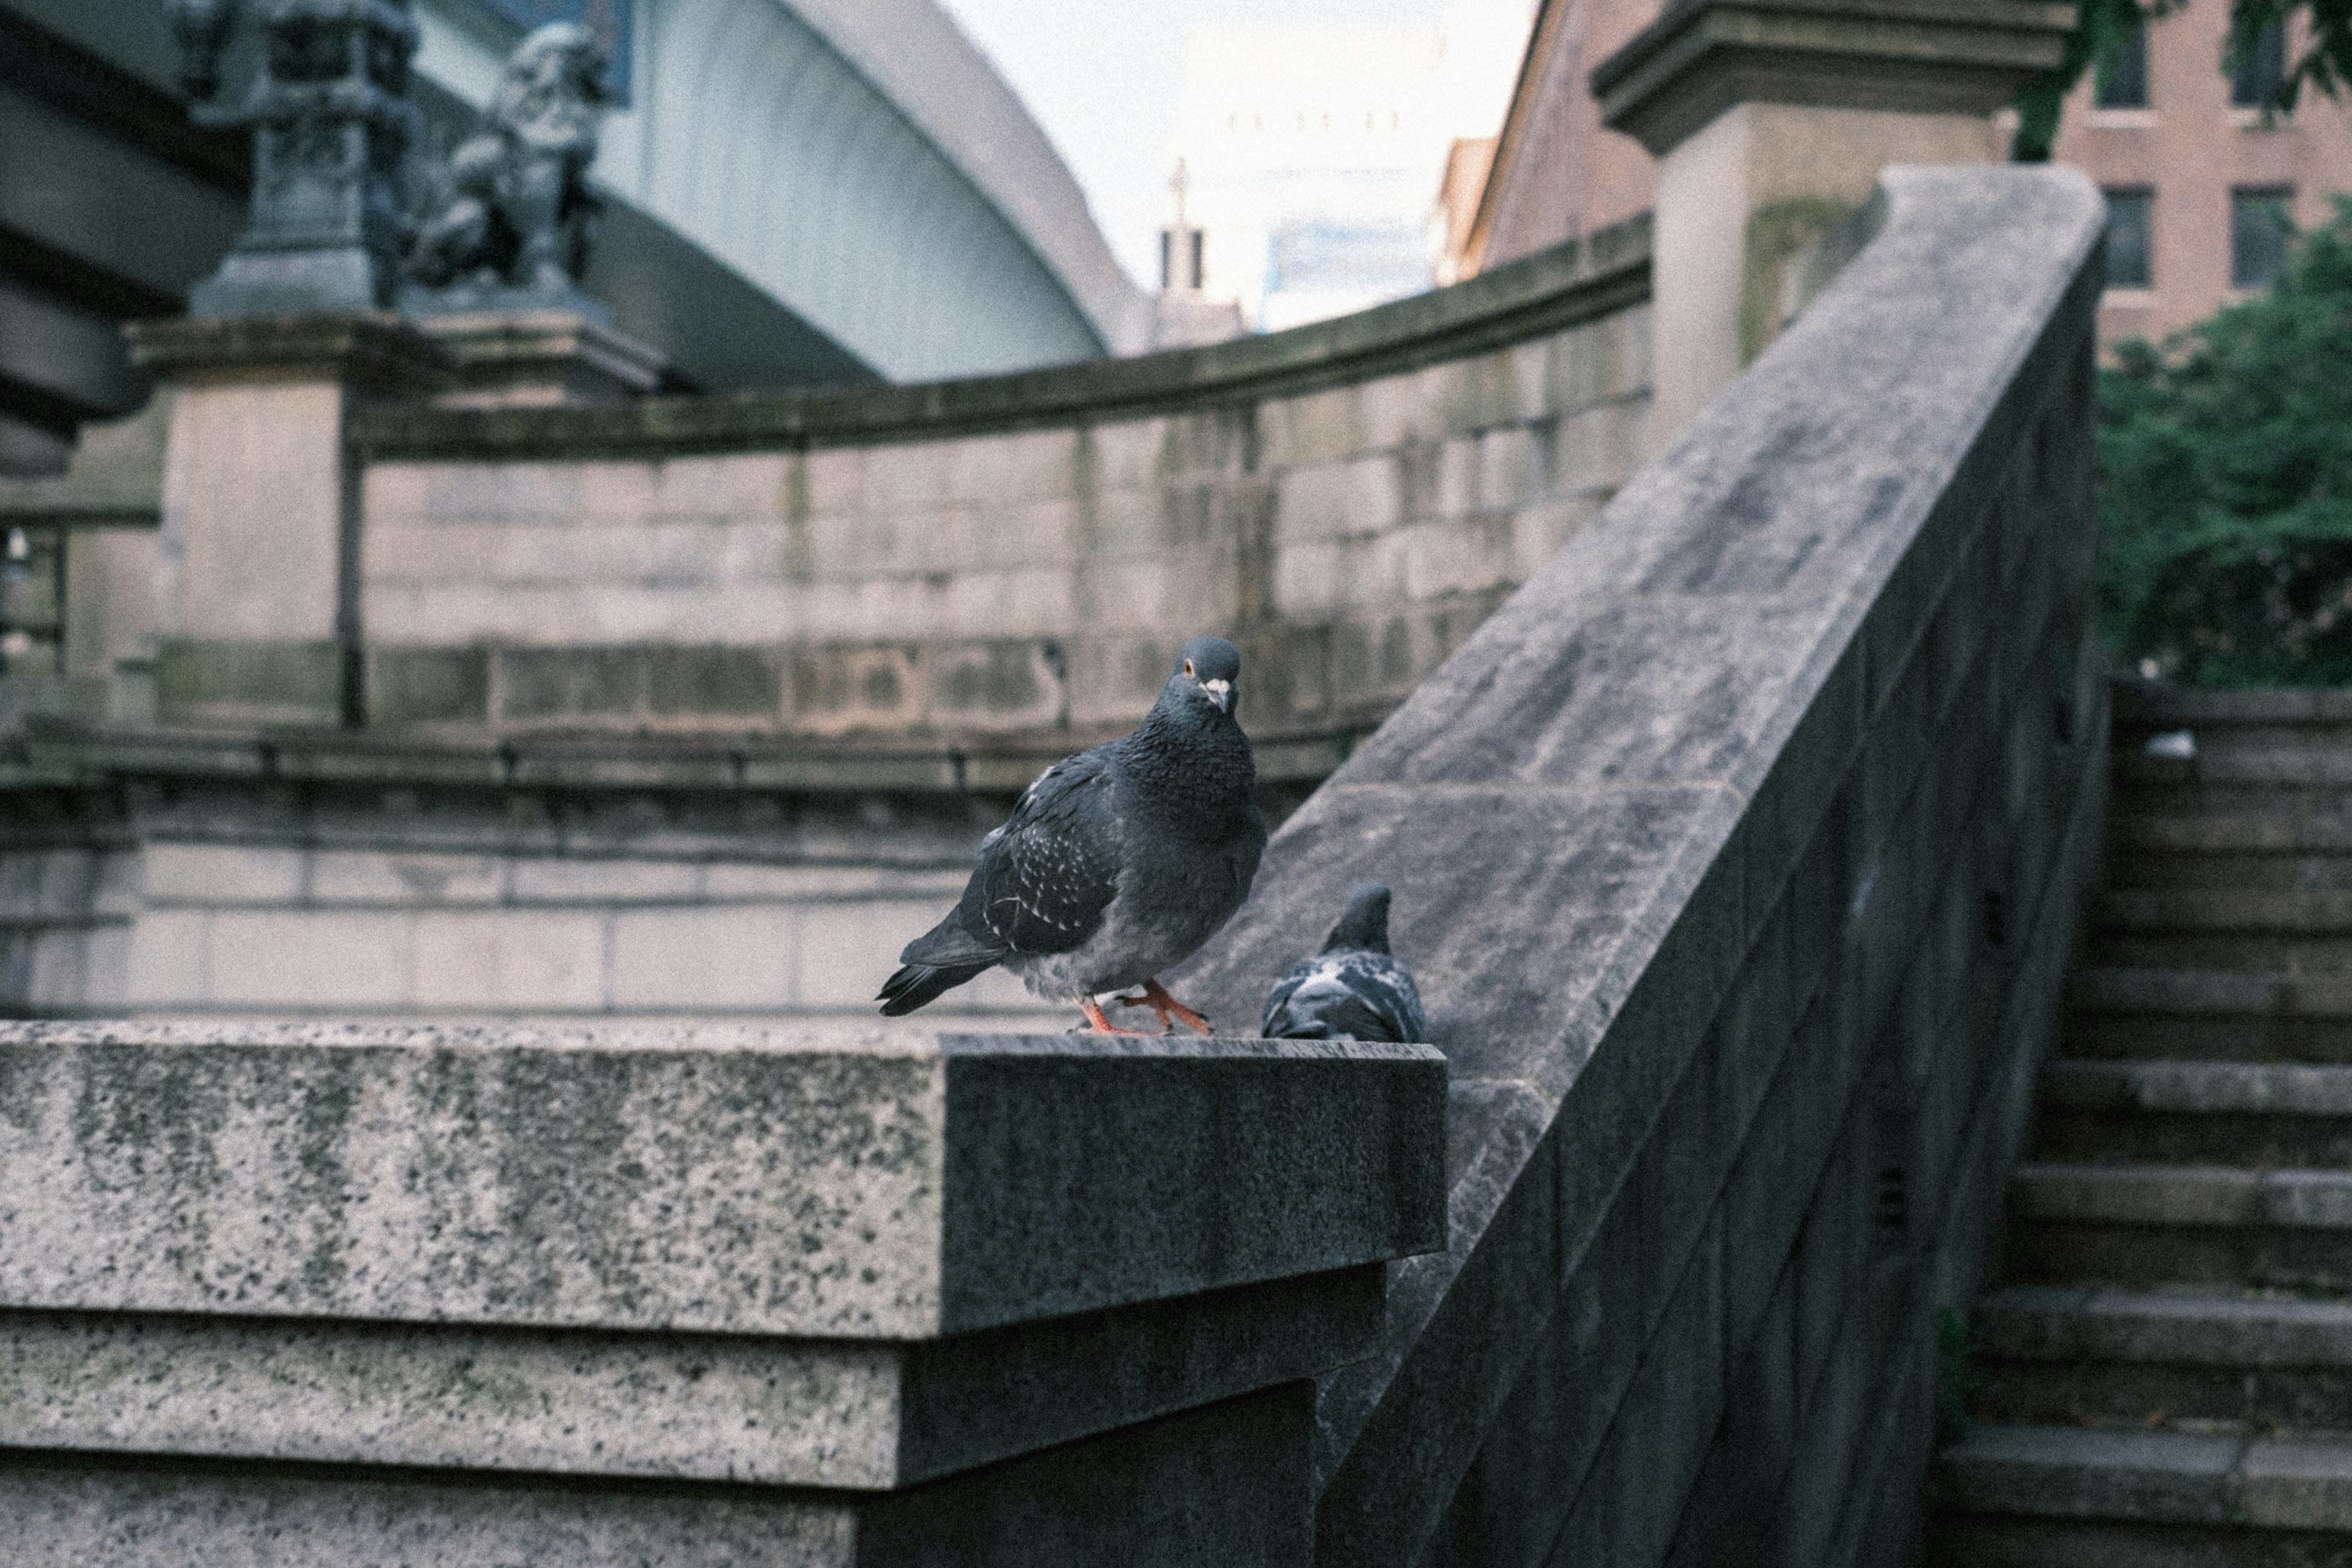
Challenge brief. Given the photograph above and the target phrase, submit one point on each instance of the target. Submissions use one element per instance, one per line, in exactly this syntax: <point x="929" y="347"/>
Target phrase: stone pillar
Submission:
<point x="869" y="1299"/>
<point x="257" y="593"/>
<point x="1771" y="119"/>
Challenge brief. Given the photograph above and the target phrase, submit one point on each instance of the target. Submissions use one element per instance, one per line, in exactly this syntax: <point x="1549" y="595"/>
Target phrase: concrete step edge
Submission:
<point x="2199" y="1088"/>
<point x="2159" y="910"/>
<point x="2204" y="993"/>
<point x="2200" y="1196"/>
<point x="2213" y="1329"/>
<point x="2161" y="1476"/>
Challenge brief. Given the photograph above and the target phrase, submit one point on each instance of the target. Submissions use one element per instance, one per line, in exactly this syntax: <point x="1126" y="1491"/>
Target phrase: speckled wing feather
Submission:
<point x="1353" y="995"/>
<point x="1045" y="876"/>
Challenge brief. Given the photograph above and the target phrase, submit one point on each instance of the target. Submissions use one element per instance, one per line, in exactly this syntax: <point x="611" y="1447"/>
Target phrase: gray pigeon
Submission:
<point x="1115" y="864"/>
<point x="1353" y="990"/>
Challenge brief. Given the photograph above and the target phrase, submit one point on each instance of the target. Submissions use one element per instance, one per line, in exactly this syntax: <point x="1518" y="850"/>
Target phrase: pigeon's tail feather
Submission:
<point x="948" y="945"/>
<point x="917" y="983"/>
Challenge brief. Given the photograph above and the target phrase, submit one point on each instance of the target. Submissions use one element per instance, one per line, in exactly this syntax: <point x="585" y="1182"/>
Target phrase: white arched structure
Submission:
<point x="860" y="161"/>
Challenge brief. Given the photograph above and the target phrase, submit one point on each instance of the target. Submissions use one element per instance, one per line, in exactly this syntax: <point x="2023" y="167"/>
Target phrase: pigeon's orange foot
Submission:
<point x="1156" y="997"/>
<point x="1100" y="1025"/>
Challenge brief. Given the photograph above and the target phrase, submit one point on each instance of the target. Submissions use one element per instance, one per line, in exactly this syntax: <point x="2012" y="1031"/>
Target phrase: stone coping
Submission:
<point x="1934" y="57"/>
<point x="1586" y="277"/>
<point x="887" y="1184"/>
<point x="64" y="757"/>
<point x="376" y="351"/>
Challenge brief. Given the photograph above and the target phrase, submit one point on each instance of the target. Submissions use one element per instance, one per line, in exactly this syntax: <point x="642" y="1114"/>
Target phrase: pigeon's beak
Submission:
<point x="1222" y="692"/>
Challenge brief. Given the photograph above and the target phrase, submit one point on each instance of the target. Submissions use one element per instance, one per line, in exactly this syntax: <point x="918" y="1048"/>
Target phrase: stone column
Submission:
<point x="1771" y="119"/>
<point x="257" y="604"/>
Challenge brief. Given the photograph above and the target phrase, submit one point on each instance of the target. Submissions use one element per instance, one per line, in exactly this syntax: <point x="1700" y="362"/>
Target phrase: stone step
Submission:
<point x="2046" y="1495"/>
<point x="2238" y="764"/>
<point x="2147" y="707"/>
<point x="2207" y="1015"/>
<point x="2297" y="911"/>
<point x="2142" y="1225"/>
<point x="2220" y="1356"/>
<point x="2195" y="1113"/>
<point x="2324" y="957"/>
<point x="2259" y="833"/>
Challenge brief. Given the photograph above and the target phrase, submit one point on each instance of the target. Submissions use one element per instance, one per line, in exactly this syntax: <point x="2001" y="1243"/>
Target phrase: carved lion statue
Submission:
<point x="512" y="208"/>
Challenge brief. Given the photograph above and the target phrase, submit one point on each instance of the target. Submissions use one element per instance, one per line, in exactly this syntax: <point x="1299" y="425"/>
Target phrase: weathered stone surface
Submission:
<point x="936" y="565"/>
<point x="2176" y="1477"/>
<point x="819" y="1413"/>
<point x="1225" y="1484"/>
<point x="873" y="1186"/>
<point x="1801" y="677"/>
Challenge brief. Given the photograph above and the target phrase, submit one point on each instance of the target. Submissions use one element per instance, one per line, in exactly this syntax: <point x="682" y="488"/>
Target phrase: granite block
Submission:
<point x="876" y="1185"/>
<point x="307" y="960"/>
<point x="858" y="1415"/>
<point x="1226" y="1484"/>
<point x="221" y="874"/>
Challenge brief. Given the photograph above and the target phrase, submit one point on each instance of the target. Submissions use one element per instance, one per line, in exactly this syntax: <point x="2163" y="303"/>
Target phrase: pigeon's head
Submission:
<point x="1364" y="923"/>
<point x="1207" y="673"/>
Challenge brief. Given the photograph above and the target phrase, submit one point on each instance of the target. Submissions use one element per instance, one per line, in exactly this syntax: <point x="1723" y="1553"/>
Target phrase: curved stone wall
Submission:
<point x="1016" y="556"/>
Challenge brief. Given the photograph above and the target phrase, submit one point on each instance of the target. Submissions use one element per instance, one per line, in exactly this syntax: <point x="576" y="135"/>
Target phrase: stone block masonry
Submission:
<point x="1739" y="854"/>
<point x="342" y="901"/>
<point x="1012" y="555"/>
<point x="473" y="1297"/>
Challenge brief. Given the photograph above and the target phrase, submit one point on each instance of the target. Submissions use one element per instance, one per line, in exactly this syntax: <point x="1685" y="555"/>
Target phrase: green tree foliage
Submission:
<point x="2324" y="64"/>
<point x="2225" y="504"/>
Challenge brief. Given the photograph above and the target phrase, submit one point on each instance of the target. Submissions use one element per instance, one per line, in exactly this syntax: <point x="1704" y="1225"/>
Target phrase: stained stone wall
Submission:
<point x="1739" y="854"/>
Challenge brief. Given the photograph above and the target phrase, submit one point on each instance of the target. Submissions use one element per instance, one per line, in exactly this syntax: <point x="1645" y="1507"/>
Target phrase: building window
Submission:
<point x="2127" y="247"/>
<point x="2259" y="229"/>
<point x="2261" y="73"/>
<point x="2121" y="81"/>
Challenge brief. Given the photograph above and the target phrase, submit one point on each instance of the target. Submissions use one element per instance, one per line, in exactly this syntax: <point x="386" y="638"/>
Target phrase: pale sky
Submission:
<point x="1101" y="77"/>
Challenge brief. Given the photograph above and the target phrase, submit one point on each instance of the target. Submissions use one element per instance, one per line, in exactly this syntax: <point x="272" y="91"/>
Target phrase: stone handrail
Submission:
<point x="1739" y="854"/>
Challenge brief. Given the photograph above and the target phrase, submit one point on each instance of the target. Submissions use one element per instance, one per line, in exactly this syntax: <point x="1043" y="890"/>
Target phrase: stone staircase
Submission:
<point x="2163" y="1373"/>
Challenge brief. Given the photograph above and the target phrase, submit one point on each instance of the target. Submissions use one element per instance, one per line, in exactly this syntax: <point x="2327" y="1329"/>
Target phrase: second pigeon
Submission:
<point x="1353" y="990"/>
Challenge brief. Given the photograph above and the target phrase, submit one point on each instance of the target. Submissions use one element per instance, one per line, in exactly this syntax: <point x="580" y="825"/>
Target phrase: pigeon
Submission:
<point x="1115" y="863"/>
<point x="1353" y="990"/>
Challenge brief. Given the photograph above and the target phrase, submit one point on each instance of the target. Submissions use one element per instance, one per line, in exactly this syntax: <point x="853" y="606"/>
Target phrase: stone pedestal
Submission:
<point x="538" y="358"/>
<point x="257" y="576"/>
<point x="300" y="1294"/>
<point x="1771" y="119"/>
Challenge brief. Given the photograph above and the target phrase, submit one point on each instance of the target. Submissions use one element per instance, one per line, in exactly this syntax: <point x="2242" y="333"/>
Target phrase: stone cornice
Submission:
<point x="374" y="351"/>
<point x="1947" y="56"/>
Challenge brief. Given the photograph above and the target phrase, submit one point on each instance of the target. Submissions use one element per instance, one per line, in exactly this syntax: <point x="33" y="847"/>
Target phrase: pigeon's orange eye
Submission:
<point x="1188" y="667"/>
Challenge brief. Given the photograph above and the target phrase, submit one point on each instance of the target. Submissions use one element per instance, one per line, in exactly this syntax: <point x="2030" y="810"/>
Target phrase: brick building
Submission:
<point x="2195" y="172"/>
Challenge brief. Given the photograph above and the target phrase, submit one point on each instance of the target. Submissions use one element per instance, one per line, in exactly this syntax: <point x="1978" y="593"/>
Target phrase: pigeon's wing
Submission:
<point x="1047" y="876"/>
<point x="1390" y="985"/>
<point x="1355" y="995"/>
<point x="1275" y="1024"/>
